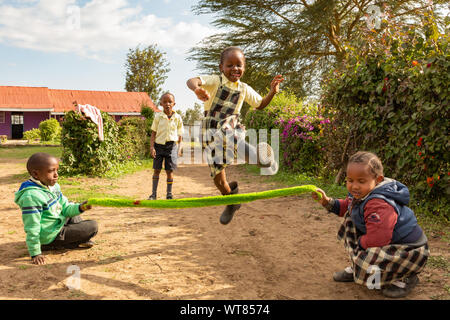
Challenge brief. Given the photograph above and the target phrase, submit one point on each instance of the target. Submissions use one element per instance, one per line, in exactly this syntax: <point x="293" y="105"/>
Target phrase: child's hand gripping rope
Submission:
<point x="205" y="201"/>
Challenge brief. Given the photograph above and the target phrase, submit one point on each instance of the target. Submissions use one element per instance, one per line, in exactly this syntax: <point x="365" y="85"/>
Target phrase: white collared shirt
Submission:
<point x="52" y="189"/>
<point x="167" y="129"/>
<point x="212" y="82"/>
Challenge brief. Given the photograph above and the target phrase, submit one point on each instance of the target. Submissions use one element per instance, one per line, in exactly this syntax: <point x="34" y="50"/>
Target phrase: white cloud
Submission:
<point x="95" y="30"/>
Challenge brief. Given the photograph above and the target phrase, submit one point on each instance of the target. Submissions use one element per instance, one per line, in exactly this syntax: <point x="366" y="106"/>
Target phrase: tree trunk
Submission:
<point x="340" y="173"/>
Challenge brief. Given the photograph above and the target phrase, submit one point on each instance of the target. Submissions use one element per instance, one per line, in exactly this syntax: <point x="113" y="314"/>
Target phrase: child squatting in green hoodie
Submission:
<point x="50" y="220"/>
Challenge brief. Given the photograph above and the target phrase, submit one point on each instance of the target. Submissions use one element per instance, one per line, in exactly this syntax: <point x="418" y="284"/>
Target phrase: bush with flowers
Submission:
<point x="302" y="143"/>
<point x="300" y="127"/>
<point x="392" y="97"/>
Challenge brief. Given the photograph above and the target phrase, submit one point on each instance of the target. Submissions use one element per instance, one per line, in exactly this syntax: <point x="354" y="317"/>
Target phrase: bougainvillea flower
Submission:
<point x="419" y="142"/>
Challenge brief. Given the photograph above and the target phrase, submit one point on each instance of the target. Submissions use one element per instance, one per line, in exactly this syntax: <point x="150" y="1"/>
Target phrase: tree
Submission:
<point x="396" y="87"/>
<point x="192" y="115"/>
<point x="146" y="71"/>
<point x="302" y="39"/>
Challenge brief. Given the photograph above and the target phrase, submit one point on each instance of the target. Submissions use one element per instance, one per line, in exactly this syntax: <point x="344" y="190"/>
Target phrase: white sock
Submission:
<point x="349" y="270"/>
<point x="399" y="284"/>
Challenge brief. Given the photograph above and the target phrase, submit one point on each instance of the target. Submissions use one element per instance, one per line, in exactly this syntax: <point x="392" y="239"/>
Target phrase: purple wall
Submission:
<point x="31" y="120"/>
<point x="5" y="128"/>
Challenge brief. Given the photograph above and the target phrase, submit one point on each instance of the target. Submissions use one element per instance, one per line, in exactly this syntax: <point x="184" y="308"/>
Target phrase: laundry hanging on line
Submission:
<point x="95" y="115"/>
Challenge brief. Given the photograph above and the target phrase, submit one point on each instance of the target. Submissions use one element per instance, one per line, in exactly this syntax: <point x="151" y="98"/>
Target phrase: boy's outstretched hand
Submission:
<point x="324" y="200"/>
<point x="275" y="84"/>
<point x="39" y="259"/>
<point x="84" y="206"/>
<point x="202" y="94"/>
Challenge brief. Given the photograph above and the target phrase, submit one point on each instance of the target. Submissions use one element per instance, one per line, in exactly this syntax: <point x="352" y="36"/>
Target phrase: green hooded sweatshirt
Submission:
<point x="44" y="213"/>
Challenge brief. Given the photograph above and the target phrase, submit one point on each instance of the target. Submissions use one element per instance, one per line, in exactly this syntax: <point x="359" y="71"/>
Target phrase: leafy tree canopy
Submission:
<point x="146" y="71"/>
<point x="301" y="39"/>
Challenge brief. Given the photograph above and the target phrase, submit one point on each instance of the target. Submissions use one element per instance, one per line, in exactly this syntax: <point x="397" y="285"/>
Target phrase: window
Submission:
<point x="2" y="116"/>
<point x="17" y="119"/>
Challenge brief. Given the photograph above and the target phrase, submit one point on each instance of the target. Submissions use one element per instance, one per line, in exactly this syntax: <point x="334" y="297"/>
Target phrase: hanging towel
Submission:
<point x="95" y="115"/>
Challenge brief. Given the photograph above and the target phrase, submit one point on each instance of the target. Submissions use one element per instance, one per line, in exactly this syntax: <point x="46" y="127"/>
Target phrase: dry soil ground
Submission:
<point x="284" y="248"/>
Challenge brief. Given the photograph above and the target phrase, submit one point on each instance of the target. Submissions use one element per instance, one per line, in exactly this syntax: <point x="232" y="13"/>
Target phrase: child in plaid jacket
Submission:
<point x="380" y="232"/>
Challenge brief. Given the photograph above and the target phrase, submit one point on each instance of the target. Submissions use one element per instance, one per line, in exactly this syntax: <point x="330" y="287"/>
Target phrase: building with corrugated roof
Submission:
<point x="23" y="108"/>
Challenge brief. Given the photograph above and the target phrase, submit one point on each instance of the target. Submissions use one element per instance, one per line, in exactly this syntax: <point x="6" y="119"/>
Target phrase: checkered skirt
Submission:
<point x="392" y="262"/>
<point x="220" y="130"/>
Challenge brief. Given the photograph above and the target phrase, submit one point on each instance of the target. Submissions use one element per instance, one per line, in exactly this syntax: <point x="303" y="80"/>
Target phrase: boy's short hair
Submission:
<point x="370" y="159"/>
<point x="38" y="161"/>
<point x="229" y="49"/>
<point x="166" y="93"/>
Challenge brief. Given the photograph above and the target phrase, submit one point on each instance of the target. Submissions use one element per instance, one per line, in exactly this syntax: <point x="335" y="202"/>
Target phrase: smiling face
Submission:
<point x="360" y="179"/>
<point x="47" y="173"/>
<point x="233" y="65"/>
<point x="167" y="102"/>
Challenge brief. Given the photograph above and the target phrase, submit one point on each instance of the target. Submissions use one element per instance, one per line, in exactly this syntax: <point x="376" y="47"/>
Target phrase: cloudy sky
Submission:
<point x="82" y="44"/>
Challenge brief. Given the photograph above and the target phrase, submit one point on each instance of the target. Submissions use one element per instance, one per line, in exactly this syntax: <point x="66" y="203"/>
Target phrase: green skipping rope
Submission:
<point x="205" y="201"/>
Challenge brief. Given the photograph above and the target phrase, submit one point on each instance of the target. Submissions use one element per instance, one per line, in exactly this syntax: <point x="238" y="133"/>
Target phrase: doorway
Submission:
<point x="17" y="125"/>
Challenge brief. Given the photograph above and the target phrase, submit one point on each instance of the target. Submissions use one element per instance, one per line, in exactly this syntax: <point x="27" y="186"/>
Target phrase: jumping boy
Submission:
<point x="224" y="95"/>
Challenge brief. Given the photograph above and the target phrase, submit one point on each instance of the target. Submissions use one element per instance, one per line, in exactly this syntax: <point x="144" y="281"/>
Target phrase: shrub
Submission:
<point x="32" y="135"/>
<point x="83" y="152"/>
<point x="302" y="143"/>
<point x="149" y="115"/>
<point x="301" y="131"/>
<point x="50" y="130"/>
<point x="394" y="102"/>
<point x="284" y="106"/>
<point x="134" y="138"/>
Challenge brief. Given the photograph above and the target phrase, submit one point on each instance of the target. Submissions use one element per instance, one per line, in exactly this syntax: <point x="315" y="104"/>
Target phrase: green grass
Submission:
<point x="24" y="152"/>
<point x="128" y="167"/>
<point x="75" y="190"/>
<point x="84" y="193"/>
<point x="73" y="187"/>
<point x="439" y="262"/>
<point x="436" y="227"/>
<point x="298" y="179"/>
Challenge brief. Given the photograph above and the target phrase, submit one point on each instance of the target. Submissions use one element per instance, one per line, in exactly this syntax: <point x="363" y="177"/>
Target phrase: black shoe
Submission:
<point x="88" y="244"/>
<point x="393" y="291"/>
<point x="343" y="276"/>
<point x="169" y="196"/>
<point x="152" y="197"/>
<point x="228" y="213"/>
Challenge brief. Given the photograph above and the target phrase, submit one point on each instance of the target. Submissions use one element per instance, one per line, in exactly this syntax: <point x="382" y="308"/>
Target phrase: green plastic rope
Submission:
<point x="205" y="201"/>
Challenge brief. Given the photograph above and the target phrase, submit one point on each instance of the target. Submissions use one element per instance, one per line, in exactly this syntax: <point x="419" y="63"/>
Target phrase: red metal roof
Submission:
<point x="24" y="98"/>
<point x="62" y="100"/>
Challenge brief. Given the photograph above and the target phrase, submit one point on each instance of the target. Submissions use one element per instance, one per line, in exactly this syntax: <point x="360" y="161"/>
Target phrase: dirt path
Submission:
<point x="284" y="248"/>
